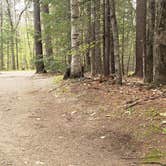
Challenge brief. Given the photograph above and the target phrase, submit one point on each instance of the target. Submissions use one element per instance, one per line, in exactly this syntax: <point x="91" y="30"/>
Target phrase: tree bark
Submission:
<point x="123" y="43"/>
<point x="140" y="36"/>
<point x="76" y="66"/>
<point x="116" y="41"/>
<point x="47" y="37"/>
<point x="112" y="56"/>
<point x="38" y="39"/>
<point x="93" y="39"/>
<point x="88" y="38"/>
<point x="150" y="41"/>
<point x="106" y="51"/>
<point x="98" y="38"/>
<point x="160" y="43"/>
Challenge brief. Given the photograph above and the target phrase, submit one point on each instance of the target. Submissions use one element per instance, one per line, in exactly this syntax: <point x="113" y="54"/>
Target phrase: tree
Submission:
<point x="140" y="36"/>
<point x="93" y="39"/>
<point x="107" y="27"/>
<point x="116" y="41"/>
<point x="160" y="43"/>
<point x="88" y="36"/>
<point x="38" y="39"/>
<point x="76" y="67"/>
<point x="47" y="36"/>
<point x="112" y="56"/>
<point x="98" y="37"/>
<point x="150" y="41"/>
<point x="96" y="66"/>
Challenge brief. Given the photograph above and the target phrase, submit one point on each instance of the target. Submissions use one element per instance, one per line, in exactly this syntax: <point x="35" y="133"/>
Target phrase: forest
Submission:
<point x="83" y="82"/>
<point x="102" y="38"/>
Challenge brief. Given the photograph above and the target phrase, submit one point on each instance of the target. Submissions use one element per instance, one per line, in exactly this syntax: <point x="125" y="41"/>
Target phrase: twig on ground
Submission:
<point x="156" y="163"/>
<point x="136" y="102"/>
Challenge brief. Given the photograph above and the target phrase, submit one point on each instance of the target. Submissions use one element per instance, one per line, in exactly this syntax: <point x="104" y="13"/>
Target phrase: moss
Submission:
<point x="155" y="155"/>
<point x="152" y="112"/>
<point x="130" y="111"/>
<point x="155" y="129"/>
<point x="58" y="79"/>
<point x="164" y="130"/>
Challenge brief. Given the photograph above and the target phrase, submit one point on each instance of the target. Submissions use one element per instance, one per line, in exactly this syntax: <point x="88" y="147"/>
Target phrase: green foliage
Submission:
<point x="130" y="111"/>
<point x="57" y="24"/>
<point x="55" y="65"/>
<point x="24" y="52"/>
<point x="164" y="131"/>
<point x="152" y="113"/>
<point x="126" y="24"/>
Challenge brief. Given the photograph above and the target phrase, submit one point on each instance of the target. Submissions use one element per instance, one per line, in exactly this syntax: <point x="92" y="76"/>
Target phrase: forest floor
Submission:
<point x="50" y="122"/>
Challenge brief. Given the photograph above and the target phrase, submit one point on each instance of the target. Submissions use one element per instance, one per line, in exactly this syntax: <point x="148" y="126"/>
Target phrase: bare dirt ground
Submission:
<point x="78" y="124"/>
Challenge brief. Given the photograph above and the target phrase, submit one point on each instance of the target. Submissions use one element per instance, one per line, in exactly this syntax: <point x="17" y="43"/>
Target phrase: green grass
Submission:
<point x="155" y="155"/>
<point x="152" y="112"/>
<point x="58" y="79"/>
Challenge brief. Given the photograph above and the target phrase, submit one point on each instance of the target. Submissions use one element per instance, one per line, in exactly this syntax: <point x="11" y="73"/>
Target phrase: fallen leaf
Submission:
<point x="73" y="112"/>
<point x="93" y="114"/>
<point x="26" y="162"/>
<point x="163" y="122"/>
<point x="39" y="163"/>
<point x="102" y="137"/>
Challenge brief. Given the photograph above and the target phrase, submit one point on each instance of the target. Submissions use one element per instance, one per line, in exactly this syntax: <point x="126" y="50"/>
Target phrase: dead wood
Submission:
<point x="131" y="103"/>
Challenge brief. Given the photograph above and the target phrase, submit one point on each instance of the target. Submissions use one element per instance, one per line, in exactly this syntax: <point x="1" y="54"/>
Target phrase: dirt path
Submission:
<point x="38" y="128"/>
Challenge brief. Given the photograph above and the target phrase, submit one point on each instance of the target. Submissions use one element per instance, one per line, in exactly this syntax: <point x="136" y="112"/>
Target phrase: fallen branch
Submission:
<point x="153" y="163"/>
<point x="130" y="104"/>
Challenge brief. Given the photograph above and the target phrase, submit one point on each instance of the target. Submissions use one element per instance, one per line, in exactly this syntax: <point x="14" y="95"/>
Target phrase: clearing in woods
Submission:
<point x="79" y="123"/>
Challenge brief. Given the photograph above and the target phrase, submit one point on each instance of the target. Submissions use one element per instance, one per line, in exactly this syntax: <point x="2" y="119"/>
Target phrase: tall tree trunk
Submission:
<point x="47" y="37"/>
<point x="97" y="37"/>
<point x="123" y="42"/>
<point x="93" y="39"/>
<point x="116" y="41"/>
<point x="112" y="56"/>
<point x="160" y="43"/>
<point x="76" y="66"/>
<point x="38" y="40"/>
<point x="88" y="37"/>
<point x="140" y="36"/>
<point x="69" y="35"/>
<point x="150" y="41"/>
<point x="106" y="51"/>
